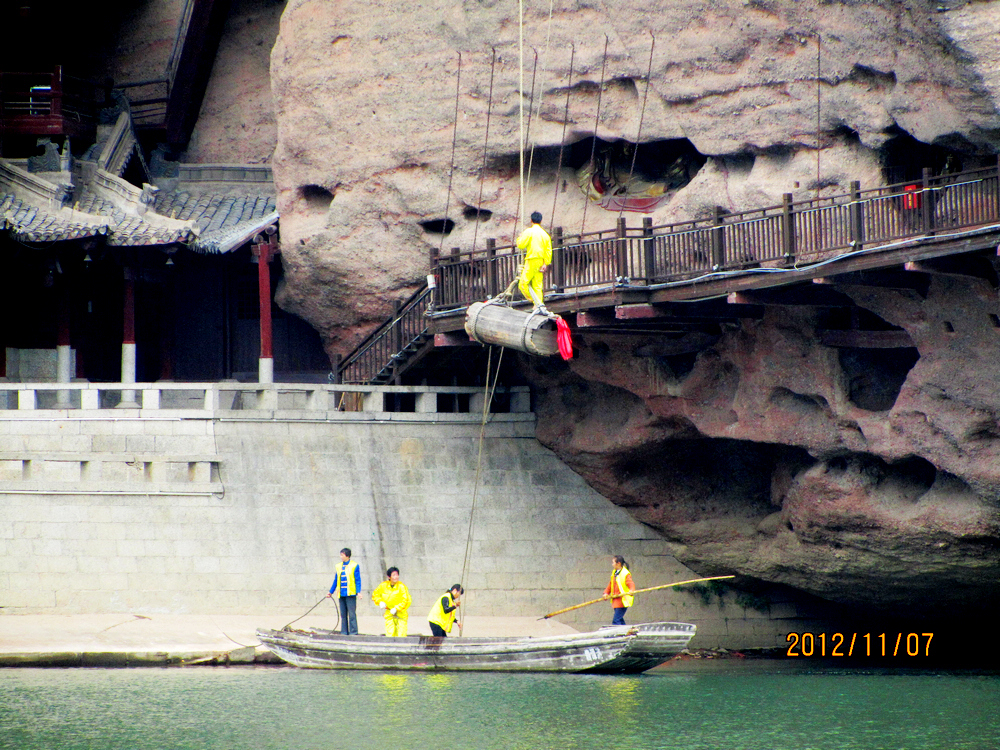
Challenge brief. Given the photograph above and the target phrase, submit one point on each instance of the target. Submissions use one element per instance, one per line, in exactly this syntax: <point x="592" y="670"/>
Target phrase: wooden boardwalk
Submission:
<point x="728" y="264"/>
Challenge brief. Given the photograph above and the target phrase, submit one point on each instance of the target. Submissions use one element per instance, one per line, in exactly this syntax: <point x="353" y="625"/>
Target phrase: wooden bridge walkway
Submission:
<point x="727" y="264"/>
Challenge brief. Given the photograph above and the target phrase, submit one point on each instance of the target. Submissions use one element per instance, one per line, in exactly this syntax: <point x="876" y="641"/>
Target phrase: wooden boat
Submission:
<point x="621" y="649"/>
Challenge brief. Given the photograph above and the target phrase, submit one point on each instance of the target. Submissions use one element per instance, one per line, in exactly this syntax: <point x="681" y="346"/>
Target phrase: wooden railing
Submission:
<point x="49" y="103"/>
<point x="386" y="343"/>
<point x="791" y="234"/>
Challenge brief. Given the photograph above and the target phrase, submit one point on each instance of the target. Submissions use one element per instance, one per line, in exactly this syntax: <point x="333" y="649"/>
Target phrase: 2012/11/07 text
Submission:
<point x="859" y="644"/>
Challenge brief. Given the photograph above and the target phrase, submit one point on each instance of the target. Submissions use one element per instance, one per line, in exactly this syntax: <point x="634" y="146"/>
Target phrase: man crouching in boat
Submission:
<point x="442" y="614"/>
<point x="394" y="598"/>
<point x="619" y="590"/>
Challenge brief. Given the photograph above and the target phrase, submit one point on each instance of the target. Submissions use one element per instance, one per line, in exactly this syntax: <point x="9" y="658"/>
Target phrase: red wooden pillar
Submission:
<point x="64" y="354"/>
<point x="128" y="371"/>
<point x="265" y="248"/>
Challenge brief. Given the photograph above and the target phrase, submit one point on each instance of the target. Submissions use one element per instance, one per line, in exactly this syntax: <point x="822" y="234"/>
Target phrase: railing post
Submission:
<point x="648" y="254"/>
<point x="926" y="204"/>
<point x="996" y="215"/>
<point x="621" y="252"/>
<point x="335" y="369"/>
<point x="435" y="273"/>
<point x="856" y="217"/>
<point x="491" y="268"/>
<point x="558" y="260"/>
<point x="397" y="328"/>
<point x="788" y="228"/>
<point x="461" y="293"/>
<point x="718" y="241"/>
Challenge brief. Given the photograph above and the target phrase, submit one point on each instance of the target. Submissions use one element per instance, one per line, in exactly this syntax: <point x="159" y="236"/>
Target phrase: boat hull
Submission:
<point x="623" y="649"/>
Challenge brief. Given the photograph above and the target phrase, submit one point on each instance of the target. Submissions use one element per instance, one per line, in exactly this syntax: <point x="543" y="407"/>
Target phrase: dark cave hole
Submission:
<point x="437" y="226"/>
<point x="904" y="158"/>
<point x="916" y="468"/>
<point x="875" y="376"/>
<point x="471" y="212"/>
<point x="680" y="365"/>
<point x="674" y="161"/>
<point x="317" y="197"/>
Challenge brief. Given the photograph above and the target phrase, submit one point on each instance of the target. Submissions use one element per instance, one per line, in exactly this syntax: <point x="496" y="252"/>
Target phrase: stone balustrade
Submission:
<point x="306" y="401"/>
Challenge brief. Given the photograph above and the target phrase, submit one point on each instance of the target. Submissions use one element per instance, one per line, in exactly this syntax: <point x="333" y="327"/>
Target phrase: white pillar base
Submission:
<point x="64" y="364"/>
<point x="128" y="376"/>
<point x="265" y="370"/>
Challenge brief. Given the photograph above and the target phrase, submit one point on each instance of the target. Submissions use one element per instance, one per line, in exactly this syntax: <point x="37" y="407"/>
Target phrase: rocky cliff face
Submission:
<point x="864" y="478"/>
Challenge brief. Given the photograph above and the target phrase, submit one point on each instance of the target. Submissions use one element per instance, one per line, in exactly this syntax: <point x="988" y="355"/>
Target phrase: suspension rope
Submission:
<point x="593" y="145"/>
<point x="486" y="141"/>
<point x="538" y="105"/>
<point x="488" y="394"/>
<point x="525" y="182"/>
<point x="454" y="140"/>
<point x="520" y="111"/>
<point x="527" y="134"/>
<point x="642" y="114"/>
<point x="562" y="142"/>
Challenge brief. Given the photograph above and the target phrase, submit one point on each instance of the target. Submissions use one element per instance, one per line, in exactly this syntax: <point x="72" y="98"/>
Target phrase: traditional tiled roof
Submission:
<point x="29" y="223"/>
<point x="211" y="208"/>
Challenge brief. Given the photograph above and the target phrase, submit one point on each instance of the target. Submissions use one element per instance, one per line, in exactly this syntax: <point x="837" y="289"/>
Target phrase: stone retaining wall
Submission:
<point x="128" y="511"/>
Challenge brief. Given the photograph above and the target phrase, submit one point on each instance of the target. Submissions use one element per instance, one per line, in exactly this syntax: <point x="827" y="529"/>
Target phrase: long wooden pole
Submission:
<point x="632" y="593"/>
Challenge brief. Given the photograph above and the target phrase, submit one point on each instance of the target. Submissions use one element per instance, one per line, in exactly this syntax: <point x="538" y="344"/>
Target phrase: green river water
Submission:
<point x="738" y="706"/>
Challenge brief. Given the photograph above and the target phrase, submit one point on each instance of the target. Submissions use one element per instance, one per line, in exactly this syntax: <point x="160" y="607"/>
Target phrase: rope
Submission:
<point x="562" y="142"/>
<point x="597" y="121"/>
<point x="521" y="201"/>
<point x="642" y="114"/>
<point x="454" y="140"/>
<point x="486" y="141"/>
<point x="310" y="610"/>
<point x="520" y="110"/>
<point x="488" y="394"/>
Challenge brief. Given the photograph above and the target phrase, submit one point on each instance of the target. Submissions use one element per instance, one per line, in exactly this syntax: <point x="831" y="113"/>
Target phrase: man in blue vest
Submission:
<point x="347" y="588"/>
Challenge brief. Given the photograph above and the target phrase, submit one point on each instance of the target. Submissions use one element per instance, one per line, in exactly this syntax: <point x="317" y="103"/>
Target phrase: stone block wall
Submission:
<point x="223" y="515"/>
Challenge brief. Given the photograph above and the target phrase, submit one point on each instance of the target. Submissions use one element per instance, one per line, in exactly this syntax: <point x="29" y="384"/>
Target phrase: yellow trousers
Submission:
<point x="396" y="626"/>
<point x="531" y="281"/>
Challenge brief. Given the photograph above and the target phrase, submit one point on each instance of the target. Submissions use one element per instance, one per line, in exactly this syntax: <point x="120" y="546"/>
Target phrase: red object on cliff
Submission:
<point x="564" y="339"/>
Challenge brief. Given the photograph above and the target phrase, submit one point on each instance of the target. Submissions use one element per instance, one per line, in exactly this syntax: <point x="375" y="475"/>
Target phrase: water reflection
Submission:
<point x="275" y="709"/>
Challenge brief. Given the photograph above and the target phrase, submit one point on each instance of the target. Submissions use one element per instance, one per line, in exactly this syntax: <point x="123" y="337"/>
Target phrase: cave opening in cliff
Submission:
<point x="437" y="226"/>
<point x="904" y="158"/>
<point x="618" y="174"/>
<point x="874" y="377"/>
<point x="316" y="197"/>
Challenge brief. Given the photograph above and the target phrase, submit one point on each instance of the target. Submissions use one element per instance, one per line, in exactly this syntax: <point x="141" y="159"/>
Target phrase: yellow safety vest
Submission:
<point x="438" y="616"/>
<point x="619" y="578"/>
<point x="348" y="572"/>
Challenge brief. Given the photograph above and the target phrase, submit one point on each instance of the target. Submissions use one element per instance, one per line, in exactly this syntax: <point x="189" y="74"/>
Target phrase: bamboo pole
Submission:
<point x="633" y="593"/>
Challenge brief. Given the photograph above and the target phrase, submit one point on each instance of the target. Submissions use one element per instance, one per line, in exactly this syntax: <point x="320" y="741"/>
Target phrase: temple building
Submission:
<point x="124" y="263"/>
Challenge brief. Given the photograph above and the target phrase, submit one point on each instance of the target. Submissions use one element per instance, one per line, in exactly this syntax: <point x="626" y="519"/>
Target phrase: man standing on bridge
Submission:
<point x="537" y="245"/>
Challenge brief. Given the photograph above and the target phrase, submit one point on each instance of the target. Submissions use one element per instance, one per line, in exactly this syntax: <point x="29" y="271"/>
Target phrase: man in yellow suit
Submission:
<point x="393" y="597"/>
<point x="537" y="245"/>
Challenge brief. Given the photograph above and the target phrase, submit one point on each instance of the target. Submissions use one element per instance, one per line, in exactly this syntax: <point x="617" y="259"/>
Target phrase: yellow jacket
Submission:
<point x="397" y="597"/>
<point x="437" y="614"/>
<point x="537" y="245"/>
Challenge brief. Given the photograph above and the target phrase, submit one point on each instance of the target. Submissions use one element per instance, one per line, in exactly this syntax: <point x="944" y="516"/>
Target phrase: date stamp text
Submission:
<point x="859" y="644"/>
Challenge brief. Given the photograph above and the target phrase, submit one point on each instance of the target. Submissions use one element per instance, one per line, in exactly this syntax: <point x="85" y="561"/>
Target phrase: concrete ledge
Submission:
<point x="129" y="640"/>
